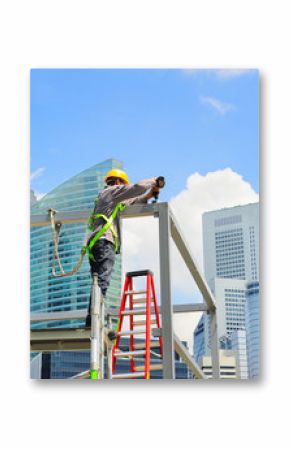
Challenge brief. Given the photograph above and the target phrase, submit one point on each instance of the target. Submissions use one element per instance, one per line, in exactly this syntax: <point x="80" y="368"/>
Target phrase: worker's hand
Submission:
<point x="151" y="192"/>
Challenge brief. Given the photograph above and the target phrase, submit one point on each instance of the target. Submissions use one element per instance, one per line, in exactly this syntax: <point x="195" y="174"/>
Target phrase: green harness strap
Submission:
<point x="108" y="225"/>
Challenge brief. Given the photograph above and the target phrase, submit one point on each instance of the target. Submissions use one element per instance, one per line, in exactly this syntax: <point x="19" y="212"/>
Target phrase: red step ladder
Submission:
<point x="138" y="328"/>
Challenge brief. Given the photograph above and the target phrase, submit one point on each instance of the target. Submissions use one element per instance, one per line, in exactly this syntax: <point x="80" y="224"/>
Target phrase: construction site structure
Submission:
<point x="79" y="339"/>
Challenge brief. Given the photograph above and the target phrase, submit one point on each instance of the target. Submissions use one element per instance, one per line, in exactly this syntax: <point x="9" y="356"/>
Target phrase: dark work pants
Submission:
<point x="104" y="254"/>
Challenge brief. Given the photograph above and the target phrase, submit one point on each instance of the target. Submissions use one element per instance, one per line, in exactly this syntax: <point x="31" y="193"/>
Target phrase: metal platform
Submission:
<point x="52" y="340"/>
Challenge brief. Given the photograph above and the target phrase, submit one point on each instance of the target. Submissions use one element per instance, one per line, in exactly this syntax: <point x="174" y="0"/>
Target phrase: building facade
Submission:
<point x="231" y="263"/>
<point x="50" y="294"/>
<point x="231" y="243"/>
<point x="239" y="345"/>
<point x="252" y="313"/>
<point x="228" y="366"/>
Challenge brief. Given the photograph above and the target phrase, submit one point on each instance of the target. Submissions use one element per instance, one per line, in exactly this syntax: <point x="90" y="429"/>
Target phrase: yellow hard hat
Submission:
<point x="116" y="173"/>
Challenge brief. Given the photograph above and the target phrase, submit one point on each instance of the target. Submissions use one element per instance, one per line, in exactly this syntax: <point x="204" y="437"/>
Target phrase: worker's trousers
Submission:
<point x="104" y="255"/>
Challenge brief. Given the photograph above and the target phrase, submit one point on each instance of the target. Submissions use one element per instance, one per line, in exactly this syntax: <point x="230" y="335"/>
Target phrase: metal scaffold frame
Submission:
<point x="168" y="228"/>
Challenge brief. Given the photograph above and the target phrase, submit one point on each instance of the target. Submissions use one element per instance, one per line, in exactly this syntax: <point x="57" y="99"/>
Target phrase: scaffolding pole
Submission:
<point x="97" y="350"/>
<point x="165" y="293"/>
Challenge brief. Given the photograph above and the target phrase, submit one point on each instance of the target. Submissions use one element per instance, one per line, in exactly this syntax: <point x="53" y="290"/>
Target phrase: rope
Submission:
<point x="56" y="234"/>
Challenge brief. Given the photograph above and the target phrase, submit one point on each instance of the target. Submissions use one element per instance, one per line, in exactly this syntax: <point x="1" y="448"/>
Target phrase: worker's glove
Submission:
<point x="160" y="182"/>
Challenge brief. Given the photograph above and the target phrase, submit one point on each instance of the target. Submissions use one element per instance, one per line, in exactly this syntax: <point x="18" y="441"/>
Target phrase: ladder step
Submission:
<point x="141" y="300"/>
<point x="153" y="344"/>
<point x="129" y="353"/>
<point x="135" y="292"/>
<point x="121" y="334"/>
<point x="136" y="311"/>
<point x="156" y="367"/>
<point x="128" y="375"/>
<point x="143" y="322"/>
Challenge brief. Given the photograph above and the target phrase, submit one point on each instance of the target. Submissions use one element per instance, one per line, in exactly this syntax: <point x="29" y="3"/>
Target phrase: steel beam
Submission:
<point x="82" y="313"/>
<point x="182" y="246"/>
<point x="48" y="340"/>
<point x="189" y="308"/>
<point x="78" y="216"/>
<point x="66" y="217"/>
<point x="165" y="292"/>
<point x="187" y="358"/>
<point x="59" y="316"/>
<point x="214" y="346"/>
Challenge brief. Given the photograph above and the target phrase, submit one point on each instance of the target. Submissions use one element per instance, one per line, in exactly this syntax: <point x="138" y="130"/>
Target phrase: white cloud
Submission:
<point x="216" y="190"/>
<point x="218" y="105"/>
<point x="38" y="172"/>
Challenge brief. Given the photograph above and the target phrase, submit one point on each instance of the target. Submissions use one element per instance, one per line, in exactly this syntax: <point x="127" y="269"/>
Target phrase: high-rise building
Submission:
<point x="199" y="338"/>
<point x="253" y="329"/>
<point x="239" y="345"/>
<point x="50" y="294"/>
<point x="230" y="297"/>
<point x="231" y="261"/>
<point x="231" y="243"/>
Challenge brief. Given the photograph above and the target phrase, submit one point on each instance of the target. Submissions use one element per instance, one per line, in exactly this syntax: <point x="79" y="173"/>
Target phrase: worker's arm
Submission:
<point x="141" y="199"/>
<point x="132" y="191"/>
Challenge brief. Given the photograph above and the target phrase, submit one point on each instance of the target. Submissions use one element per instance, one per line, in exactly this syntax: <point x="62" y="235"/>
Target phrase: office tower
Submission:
<point x="198" y="338"/>
<point x="239" y="345"/>
<point x="231" y="243"/>
<point x="50" y="294"/>
<point x="253" y="329"/>
<point x="231" y="261"/>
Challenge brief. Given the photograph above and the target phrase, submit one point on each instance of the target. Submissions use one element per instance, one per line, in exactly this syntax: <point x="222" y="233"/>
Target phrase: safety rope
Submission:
<point x="56" y="234"/>
<point x="109" y="224"/>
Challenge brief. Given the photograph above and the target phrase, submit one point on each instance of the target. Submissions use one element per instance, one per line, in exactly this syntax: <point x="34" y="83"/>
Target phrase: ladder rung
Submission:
<point x="143" y="322"/>
<point x="153" y="344"/>
<point x="121" y="334"/>
<point x="141" y="300"/>
<point x="156" y="367"/>
<point x="135" y="292"/>
<point x="128" y="375"/>
<point x="129" y="353"/>
<point x="136" y="311"/>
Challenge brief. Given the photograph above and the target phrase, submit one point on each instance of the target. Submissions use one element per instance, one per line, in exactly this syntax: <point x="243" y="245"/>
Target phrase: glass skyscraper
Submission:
<point x="51" y="294"/>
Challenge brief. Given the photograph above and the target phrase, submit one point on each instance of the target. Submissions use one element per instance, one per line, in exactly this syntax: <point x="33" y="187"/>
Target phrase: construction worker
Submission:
<point x="104" y="241"/>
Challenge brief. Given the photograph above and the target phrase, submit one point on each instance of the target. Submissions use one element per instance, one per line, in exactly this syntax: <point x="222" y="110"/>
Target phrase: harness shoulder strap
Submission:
<point x="108" y="225"/>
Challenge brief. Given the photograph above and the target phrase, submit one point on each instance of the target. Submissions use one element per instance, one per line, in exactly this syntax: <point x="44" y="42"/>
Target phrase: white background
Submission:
<point x="224" y="34"/>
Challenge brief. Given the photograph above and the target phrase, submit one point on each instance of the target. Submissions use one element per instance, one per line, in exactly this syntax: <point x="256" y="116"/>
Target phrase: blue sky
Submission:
<point x="158" y="122"/>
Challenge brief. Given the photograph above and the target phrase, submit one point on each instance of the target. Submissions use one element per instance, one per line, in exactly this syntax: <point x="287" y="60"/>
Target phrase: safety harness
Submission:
<point x="109" y="224"/>
<point x="86" y="248"/>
